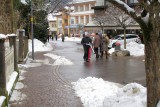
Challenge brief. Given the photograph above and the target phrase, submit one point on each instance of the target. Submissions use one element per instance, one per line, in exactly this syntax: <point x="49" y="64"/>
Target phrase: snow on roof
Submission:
<point x="91" y="23"/>
<point x="67" y="7"/>
<point x="11" y="34"/>
<point x="51" y="17"/>
<point x="82" y="12"/>
<point x="125" y="5"/>
<point x="81" y="1"/>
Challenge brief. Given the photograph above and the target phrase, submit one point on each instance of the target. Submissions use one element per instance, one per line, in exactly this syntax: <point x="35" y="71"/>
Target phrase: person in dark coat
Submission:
<point x="56" y="36"/>
<point x="63" y="37"/>
<point x="85" y="41"/>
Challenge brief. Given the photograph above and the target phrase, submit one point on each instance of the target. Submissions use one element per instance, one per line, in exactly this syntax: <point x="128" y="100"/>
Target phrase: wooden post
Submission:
<point x="21" y="45"/>
<point x="12" y="40"/>
<point x="2" y="70"/>
<point x="25" y="46"/>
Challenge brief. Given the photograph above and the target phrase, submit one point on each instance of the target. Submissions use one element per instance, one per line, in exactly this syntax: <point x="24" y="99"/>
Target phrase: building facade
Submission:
<point x="81" y="15"/>
<point x="52" y="21"/>
<point x="77" y="18"/>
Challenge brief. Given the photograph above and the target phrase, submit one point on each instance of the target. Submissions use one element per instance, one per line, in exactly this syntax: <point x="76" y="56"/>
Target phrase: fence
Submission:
<point x="10" y="49"/>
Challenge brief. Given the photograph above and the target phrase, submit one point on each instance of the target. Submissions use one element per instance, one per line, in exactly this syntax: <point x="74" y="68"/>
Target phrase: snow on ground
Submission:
<point x="29" y="64"/>
<point x="96" y="92"/>
<point x="17" y="96"/>
<point x="39" y="46"/>
<point x="59" y="60"/>
<point x="73" y="39"/>
<point x="134" y="48"/>
<point x="76" y="39"/>
<point x="11" y="81"/>
<point x="2" y="98"/>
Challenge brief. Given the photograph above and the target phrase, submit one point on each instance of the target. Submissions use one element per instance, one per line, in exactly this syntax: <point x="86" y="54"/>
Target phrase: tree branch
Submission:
<point x="124" y="7"/>
<point x="55" y="6"/>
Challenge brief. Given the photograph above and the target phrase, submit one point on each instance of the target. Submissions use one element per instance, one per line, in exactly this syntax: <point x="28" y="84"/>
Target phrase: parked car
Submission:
<point x="120" y="39"/>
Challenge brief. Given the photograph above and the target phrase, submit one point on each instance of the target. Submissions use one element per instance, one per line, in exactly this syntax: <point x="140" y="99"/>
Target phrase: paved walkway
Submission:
<point x="43" y="87"/>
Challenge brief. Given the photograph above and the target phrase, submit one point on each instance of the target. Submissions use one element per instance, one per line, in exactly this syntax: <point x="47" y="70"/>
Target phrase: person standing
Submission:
<point x="101" y="44"/>
<point x="85" y="41"/>
<point x="96" y="44"/>
<point x="52" y="36"/>
<point x="56" y="36"/>
<point x="105" y="40"/>
<point x="62" y="37"/>
<point x="48" y="37"/>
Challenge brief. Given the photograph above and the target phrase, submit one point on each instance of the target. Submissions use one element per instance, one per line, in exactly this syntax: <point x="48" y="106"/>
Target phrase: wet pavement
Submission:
<point x="46" y="85"/>
<point x="122" y="70"/>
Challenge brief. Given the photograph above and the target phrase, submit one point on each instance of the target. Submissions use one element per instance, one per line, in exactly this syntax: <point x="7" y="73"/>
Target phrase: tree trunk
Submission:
<point x="102" y="29"/>
<point x="124" y="38"/>
<point x="152" y="66"/>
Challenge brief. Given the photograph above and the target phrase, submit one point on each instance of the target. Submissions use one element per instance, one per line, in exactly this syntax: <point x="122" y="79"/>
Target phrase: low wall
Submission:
<point x="10" y="51"/>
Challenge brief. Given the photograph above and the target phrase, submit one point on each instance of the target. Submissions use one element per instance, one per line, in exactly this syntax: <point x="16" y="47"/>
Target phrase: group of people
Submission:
<point x="54" y="35"/>
<point x="99" y="42"/>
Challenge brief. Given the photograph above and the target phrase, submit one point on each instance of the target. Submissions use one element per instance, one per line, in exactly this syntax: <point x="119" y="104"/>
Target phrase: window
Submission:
<point x="133" y="36"/>
<point x="52" y="25"/>
<point x="81" y="8"/>
<point x="92" y="5"/>
<point x="86" y="7"/>
<point x="72" y="21"/>
<point x="60" y="23"/>
<point x="76" y="8"/>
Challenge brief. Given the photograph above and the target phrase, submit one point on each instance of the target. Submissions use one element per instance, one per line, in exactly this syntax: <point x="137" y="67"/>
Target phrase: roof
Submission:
<point x="50" y="17"/>
<point x="81" y="1"/>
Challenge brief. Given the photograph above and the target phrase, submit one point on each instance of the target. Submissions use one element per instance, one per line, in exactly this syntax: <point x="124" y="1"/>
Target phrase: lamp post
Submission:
<point x="69" y="22"/>
<point x="32" y="31"/>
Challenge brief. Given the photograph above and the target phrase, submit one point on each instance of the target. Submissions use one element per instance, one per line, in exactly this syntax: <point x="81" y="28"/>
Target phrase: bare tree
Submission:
<point x="119" y="18"/>
<point x="100" y="19"/>
<point x="56" y="4"/>
<point x="149" y="21"/>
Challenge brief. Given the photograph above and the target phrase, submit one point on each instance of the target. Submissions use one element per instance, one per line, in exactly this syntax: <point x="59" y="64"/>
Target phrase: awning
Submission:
<point x="71" y="26"/>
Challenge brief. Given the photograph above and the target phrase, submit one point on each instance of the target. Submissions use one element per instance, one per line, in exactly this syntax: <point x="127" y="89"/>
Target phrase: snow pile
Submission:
<point x="96" y="92"/>
<point x="2" y="98"/>
<point x="59" y="60"/>
<point x="39" y="46"/>
<point x="131" y="95"/>
<point x="134" y="48"/>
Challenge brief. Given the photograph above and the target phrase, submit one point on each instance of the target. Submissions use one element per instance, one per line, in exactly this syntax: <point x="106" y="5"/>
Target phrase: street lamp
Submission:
<point x="32" y="31"/>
